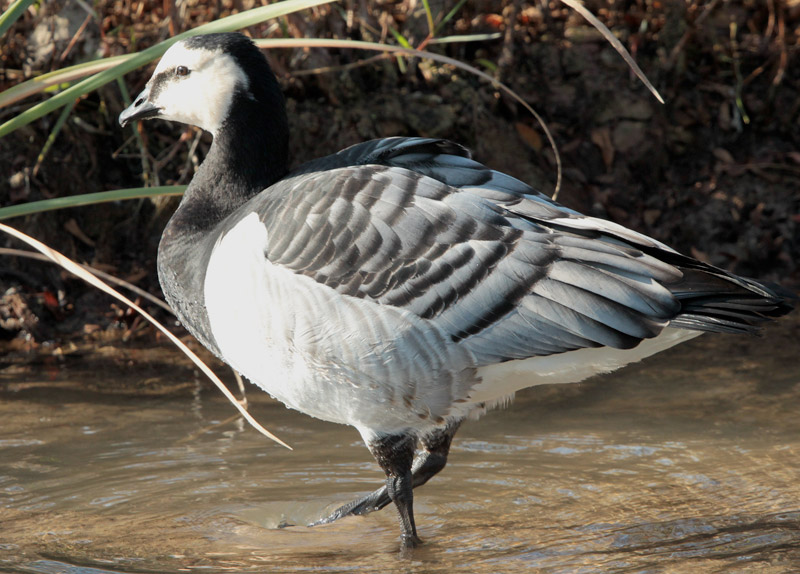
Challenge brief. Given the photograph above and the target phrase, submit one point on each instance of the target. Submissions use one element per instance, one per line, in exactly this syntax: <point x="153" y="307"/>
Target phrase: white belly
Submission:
<point x="331" y="356"/>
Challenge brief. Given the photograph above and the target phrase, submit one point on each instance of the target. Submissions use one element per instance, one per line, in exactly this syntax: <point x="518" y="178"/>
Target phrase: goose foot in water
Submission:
<point x="427" y="464"/>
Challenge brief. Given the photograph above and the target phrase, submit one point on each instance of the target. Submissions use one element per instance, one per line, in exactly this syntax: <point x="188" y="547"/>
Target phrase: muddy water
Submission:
<point x="689" y="462"/>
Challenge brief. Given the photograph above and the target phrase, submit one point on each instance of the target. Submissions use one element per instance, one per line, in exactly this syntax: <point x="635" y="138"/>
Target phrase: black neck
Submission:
<point x="249" y="153"/>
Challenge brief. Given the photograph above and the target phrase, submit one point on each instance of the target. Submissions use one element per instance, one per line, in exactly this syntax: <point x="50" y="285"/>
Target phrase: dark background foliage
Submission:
<point x="714" y="172"/>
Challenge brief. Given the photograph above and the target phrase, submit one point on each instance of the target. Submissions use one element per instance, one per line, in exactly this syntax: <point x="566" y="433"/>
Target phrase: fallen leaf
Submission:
<point x="494" y="20"/>
<point x="651" y="216"/>
<point x="74" y="229"/>
<point x="601" y="137"/>
<point x="723" y="155"/>
<point x="529" y="135"/>
<point x="629" y="135"/>
<point x="136" y="275"/>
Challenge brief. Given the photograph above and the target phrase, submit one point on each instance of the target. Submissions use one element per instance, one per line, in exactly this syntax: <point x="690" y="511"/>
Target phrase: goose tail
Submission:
<point x="717" y="301"/>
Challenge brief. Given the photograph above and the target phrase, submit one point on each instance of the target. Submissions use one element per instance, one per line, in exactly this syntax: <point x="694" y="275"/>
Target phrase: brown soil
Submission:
<point x="714" y="172"/>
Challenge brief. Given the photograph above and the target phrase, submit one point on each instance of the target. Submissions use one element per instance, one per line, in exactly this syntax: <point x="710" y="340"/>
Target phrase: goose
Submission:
<point x="399" y="286"/>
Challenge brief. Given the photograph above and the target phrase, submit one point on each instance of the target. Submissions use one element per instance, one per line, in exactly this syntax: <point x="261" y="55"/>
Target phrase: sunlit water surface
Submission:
<point x="689" y="462"/>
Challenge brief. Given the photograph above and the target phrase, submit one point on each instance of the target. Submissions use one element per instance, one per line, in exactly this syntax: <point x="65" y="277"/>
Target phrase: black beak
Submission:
<point x="140" y="109"/>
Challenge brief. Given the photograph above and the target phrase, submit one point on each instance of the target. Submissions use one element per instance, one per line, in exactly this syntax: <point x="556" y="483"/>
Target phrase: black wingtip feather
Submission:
<point x="717" y="301"/>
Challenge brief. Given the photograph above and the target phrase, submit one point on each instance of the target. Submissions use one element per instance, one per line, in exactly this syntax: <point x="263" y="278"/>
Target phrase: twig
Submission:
<point x="190" y="157"/>
<point x="784" y="58"/>
<point x="673" y="55"/>
<point x="149" y="175"/>
<point x="164" y="158"/>
<point x="74" y="40"/>
<point x="102" y="274"/>
<point x="761" y="166"/>
<point x="737" y="71"/>
<point x="341" y="68"/>
<point x="770" y="19"/>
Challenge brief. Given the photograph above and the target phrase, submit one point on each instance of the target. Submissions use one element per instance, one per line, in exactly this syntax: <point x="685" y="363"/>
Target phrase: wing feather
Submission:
<point x="416" y="224"/>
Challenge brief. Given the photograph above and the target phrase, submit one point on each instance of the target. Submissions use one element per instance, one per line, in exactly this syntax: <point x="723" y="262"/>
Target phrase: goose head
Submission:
<point x="200" y="80"/>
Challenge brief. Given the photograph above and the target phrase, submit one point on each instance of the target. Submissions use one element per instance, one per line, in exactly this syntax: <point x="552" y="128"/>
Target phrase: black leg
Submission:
<point x="395" y="455"/>
<point x="432" y="459"/>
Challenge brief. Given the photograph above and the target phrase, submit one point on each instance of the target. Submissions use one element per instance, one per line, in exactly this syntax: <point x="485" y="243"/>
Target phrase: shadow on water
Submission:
<point x="685" y="463"/>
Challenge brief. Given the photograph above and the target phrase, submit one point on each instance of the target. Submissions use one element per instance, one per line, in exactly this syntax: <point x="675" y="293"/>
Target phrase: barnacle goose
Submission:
<point x="399" y="286"/>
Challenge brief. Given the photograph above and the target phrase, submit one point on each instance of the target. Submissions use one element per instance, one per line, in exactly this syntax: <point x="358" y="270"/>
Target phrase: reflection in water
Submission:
<point x="687" y="463"/>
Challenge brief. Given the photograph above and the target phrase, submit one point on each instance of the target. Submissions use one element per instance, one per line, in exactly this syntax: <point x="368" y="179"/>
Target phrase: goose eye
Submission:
<point x="181" y="71"/>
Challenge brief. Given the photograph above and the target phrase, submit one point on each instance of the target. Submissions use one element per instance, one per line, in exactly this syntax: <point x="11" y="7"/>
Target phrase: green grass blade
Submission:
<point x="400" y="38"/>
<point x="466" y="38"/>
<point x="62" y="118"/>
<point x="429" y="16"/>
<point x="401" y="64"/>
<point x="13" y="13"/>
<point x="228" y="24"/>
<point x="88" y="199"/>
<point x="488" y="64"/>
<point x="41" y="83"/>
<point x="449" y="16"/>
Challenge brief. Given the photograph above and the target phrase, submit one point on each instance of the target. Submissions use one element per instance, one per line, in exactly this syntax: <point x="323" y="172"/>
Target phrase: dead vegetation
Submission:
<point x="715" y="172"/>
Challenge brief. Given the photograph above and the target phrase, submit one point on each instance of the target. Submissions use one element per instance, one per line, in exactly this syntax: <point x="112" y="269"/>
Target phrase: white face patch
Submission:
<point x="203" y="96"/>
